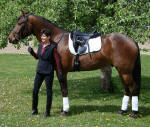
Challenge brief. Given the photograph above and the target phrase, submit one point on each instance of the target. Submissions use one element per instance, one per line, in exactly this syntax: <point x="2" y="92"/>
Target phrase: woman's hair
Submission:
<point x="47" y="32"/>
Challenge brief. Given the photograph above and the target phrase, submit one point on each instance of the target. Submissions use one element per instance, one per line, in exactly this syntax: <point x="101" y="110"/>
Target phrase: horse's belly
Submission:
<point x="96" y="61"/>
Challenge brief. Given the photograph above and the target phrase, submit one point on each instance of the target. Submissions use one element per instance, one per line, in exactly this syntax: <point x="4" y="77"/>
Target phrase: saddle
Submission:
<point x="80" y="40"/>
<point x="80" y="44"/>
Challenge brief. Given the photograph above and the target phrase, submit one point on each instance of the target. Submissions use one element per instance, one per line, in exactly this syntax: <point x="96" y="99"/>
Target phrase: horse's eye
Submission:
<point x="19" y="23"/>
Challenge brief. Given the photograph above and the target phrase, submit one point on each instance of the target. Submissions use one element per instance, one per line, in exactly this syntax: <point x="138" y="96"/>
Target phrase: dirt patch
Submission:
<point x="11" y="49"/>
<point x="145" y="48"/>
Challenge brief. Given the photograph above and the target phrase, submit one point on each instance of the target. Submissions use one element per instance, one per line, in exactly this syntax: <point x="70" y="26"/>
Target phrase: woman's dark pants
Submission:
<point x="37" y="84"/>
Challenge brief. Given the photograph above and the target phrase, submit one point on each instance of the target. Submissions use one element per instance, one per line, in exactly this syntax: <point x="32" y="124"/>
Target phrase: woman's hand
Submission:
<point x="30" y="50"/>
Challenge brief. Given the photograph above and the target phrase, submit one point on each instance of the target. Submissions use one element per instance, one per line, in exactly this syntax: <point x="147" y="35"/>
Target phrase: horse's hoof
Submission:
<point x="122" y="112"/>
<point x="63" y="113"/>
<point x="134" y="114"/>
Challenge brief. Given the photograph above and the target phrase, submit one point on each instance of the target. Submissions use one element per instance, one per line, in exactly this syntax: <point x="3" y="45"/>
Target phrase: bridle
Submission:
<point x="24" y="27"/>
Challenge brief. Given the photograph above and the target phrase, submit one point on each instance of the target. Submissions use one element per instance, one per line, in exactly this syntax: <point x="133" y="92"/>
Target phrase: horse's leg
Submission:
<point x="65" y="96"/>
<point x="105" y="83"/>
<point x="130" y="87"/>
<point x="125" y="100"/>
<point x="64" y="91"/>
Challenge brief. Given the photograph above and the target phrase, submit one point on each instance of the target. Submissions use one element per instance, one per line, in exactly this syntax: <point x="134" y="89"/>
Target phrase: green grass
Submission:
<point x="89" y="106"/>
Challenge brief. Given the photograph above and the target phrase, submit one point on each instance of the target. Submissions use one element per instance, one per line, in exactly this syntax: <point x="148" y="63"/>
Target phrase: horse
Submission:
<point x="118" y="50"/>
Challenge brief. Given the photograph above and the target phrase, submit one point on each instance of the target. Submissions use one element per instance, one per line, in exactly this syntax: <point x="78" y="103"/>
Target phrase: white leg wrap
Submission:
<point x="65" y="104"/>
<point x="134" y="103"/>
<point x="125" y="102"/>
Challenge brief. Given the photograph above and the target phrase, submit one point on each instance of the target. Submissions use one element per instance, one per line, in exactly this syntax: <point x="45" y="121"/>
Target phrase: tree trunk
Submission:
<point x="106" y="79"/>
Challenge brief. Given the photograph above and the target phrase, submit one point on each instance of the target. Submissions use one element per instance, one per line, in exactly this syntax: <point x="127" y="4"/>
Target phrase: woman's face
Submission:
<point x="44" y="38"/>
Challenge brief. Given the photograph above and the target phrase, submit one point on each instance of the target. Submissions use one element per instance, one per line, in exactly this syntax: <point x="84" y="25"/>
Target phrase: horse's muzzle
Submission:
<point x="12" y="39"/>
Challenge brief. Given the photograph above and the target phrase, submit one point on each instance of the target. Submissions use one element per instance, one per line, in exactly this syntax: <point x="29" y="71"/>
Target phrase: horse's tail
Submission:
<point x="137" y="72"/>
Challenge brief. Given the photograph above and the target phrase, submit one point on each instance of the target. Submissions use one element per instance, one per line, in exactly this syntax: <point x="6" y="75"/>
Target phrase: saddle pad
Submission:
<point x="94" y="44"/>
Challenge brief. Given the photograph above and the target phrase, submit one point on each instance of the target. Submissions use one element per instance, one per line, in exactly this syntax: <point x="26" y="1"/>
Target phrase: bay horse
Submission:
<point x="117" y="50"/>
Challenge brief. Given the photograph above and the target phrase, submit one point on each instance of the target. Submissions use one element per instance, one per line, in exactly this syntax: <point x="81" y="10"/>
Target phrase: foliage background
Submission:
<point x="129" y="17"/>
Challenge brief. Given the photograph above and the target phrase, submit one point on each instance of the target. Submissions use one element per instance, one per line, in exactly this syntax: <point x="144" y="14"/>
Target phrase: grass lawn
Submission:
<point x="89" y="106"/>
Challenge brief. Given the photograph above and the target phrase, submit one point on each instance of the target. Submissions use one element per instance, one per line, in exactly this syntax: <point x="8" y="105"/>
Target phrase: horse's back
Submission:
<point x="117" y="39"/>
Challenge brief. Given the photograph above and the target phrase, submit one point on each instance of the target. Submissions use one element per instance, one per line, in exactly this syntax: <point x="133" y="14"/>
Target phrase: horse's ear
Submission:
<point x="23" y="13"/>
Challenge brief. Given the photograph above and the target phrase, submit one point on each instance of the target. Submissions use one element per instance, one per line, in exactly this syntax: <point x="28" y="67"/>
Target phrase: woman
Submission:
<point x="48" y="56"/>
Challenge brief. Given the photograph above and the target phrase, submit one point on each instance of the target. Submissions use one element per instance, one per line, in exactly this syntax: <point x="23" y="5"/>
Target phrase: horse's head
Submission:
<point x="21" y="30"/>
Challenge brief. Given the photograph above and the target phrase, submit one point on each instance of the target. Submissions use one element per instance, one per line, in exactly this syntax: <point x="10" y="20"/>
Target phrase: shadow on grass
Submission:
<point x="76" y="110"/>
<point x="87" y="88"/>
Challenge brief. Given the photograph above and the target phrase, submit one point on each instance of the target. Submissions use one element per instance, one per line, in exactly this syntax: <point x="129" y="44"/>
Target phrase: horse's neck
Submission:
<point x="38" y="25"/>
<point x="57" y="33"/>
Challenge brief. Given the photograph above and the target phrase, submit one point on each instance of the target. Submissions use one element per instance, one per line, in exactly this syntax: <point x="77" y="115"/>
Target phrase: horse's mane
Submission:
<point x="46" y="21"/>
<point x="42" y="19"/>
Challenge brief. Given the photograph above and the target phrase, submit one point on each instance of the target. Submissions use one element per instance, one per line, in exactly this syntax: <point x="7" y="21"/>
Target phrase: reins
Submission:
<point x="60" y="38"/>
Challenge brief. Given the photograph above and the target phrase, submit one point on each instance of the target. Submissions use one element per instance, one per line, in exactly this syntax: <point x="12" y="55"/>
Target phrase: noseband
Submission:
<point x="24" y="27"/>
